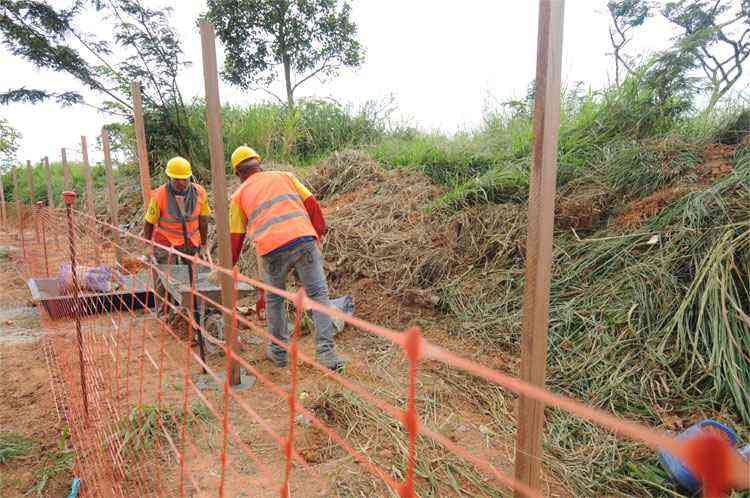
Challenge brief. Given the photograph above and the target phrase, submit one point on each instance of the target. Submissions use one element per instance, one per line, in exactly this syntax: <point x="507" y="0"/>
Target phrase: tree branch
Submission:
<point x="317" y="71"/>
<point x="269" y="92"/>
<point x="94" y="84"/>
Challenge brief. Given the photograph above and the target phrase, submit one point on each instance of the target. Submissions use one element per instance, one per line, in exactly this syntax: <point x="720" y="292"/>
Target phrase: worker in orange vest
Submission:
<point x="177" y="207"/>
<point x="285" y="223"/>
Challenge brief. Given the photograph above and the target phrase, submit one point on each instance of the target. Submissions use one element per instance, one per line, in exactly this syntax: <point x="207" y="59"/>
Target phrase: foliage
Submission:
<point x="9" y="138"/>
<point x="39" y="175"/>
<point x="708" y="29"/>
<point x="14" y="446"/>
<point x="143" y="47"/>
<point x="714" y="34"/>
<point x="312" y="130"/>
<point x="302" y="38"/>
<point x="625" y="16"/>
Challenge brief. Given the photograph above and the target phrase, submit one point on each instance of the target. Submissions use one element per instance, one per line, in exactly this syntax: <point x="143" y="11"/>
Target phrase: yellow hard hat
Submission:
<point x="179" y="168"/>
<point x="241" y="154"/>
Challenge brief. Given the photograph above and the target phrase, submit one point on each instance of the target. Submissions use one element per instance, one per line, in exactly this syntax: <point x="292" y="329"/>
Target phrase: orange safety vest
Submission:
<point x="274" y="210"/>
<point x="170" y="226"/>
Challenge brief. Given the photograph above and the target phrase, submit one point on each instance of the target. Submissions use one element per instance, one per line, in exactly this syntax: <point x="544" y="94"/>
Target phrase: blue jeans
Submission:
<point x="308" y="261"/>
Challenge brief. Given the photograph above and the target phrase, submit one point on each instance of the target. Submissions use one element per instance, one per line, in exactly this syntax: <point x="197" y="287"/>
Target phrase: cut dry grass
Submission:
<point x="649" y="325"/>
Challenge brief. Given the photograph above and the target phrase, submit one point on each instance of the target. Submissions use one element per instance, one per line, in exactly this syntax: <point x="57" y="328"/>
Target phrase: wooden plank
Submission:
<point x="66" y="170"/>
<point x="50" y="192"/>
<point x="140" y="140"/>
<point x="110" y="179"/>
<point x="30" y="181"/>
<point x="89" y="200"/>
<point x="113" y="218"/>
<point x="2" y="201"/>
<point x="17" y="195"/>
<point x="541" y="215"/>
<point x="219" y="182"/>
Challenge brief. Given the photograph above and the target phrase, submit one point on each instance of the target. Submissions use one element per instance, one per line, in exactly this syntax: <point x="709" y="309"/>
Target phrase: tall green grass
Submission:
<point x="310" y="132"/>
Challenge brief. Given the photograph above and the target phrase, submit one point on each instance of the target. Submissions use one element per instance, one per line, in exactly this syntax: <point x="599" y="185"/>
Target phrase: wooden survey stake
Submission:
<point x="219" y="185"/>
<point x="140" y="141"/>
<point x="113" y="218"/>
<point x="66" y="170"/>
<point x="2" y="202"/>
<point x="539" y="238"/>
<point x="50" y="192"/>
<point x="89" y="201"/>
<point x="30" y="179"/>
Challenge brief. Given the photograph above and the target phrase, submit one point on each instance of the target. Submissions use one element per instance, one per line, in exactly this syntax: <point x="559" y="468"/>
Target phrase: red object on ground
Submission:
<point x="709" y="457"/>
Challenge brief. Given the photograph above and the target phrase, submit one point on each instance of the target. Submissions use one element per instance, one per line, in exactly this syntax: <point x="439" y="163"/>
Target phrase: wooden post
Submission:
<point x="19" y="221"/>
<point x="140" y="140"/>
<point x="2" y="201"/>
<point x="30" y="179"/>
<point x="66" y="170"/>
<point x="219" y="185"/>
<point x="89" y="200"/>
<point x="17" y="195"/>
<point x="541" y="213"/>
<point x="111" y="189"/>
<point x="50" y="192"/>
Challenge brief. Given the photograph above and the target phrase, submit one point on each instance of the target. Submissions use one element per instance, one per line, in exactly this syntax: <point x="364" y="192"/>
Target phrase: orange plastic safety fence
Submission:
<point x="103" y="381"/>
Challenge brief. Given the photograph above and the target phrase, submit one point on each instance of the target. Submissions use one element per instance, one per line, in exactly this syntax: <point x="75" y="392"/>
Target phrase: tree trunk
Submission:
<point x="288" y="81"/>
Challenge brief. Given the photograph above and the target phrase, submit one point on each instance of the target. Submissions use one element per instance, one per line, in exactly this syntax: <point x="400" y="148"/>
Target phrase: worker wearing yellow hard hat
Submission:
<point x="243" y="153"/>
<point x="285" y="223"/>
<point x="178" y="212"/>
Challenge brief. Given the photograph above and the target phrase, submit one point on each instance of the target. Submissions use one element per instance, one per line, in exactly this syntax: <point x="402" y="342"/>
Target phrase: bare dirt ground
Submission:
<point x="124" y="351"/>
<point x="28" y="416"/>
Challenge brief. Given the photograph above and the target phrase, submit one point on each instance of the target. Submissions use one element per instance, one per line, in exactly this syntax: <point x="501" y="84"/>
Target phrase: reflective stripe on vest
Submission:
<point x="274" y="210"/>
<point x="170" y="226"/>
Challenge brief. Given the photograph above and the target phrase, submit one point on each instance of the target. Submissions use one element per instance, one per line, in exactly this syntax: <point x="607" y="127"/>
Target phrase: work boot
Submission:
<point x="331" y="361"/>
<point x="276" y="355"/>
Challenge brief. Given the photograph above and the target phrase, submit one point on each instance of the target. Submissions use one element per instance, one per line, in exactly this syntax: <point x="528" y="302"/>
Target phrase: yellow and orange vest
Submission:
<point x="169" y="226"/>
<point x="272" y="210"/>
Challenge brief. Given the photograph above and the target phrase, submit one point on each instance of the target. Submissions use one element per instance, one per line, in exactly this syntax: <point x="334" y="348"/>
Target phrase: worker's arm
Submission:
<point x="312" y="207"/>
<point x="151" y="219"/>
<point x="237" y="228"/>
<point x="203" y="216"/>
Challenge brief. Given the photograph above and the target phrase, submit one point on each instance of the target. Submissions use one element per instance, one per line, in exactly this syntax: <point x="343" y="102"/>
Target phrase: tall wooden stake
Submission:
<point x="17" y="195"/>
<point x="50" y="192"/>
<point x="111" y="189"/>
<point x="66" y="170"/>
<point x="30" y="173"/>
<point x="30" y="179"/>
<point x="219" y="184"/>
<point x="539" y="238"/>
<point x="89" y="201"/>
<point x="2" y="201"/>
<point x="140" y="140"/>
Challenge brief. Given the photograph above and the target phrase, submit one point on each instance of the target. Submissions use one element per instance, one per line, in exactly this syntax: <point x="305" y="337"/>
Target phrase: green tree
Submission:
<point x="625" y="15"/>
<point x="9" y="138"/>
<point x="717" y="34"/>
<point x="301" y="39"/>
<point x="143" y="46"/>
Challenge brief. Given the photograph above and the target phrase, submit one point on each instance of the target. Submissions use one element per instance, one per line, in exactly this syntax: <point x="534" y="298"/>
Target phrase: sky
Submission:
<point x="443" y="61"/>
